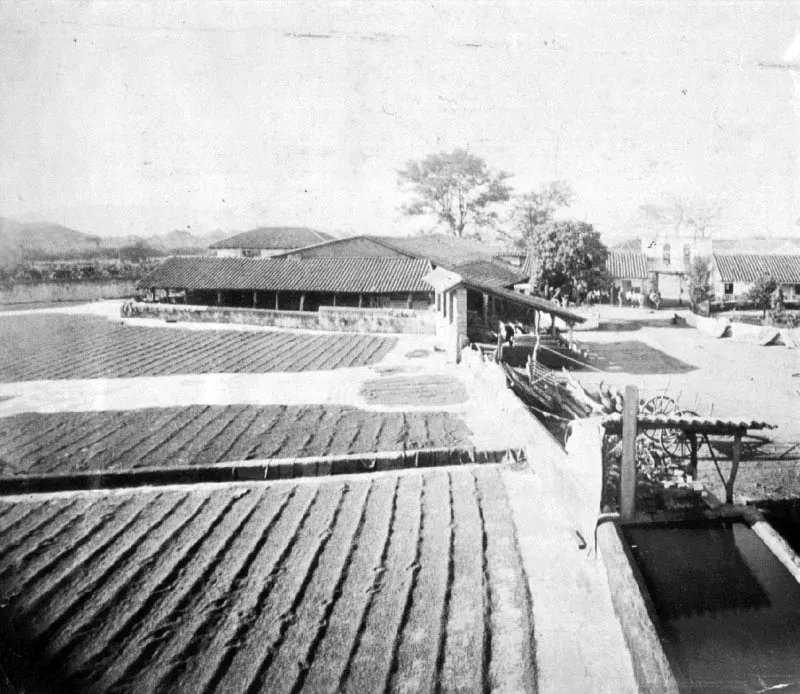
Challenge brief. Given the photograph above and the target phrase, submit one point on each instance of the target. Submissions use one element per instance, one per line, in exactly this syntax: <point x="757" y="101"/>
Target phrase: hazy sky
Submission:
<point x="143" y="117"/>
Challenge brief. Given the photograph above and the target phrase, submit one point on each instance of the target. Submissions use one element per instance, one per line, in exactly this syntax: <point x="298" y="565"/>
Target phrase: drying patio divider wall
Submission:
<point x="367" y="320"/>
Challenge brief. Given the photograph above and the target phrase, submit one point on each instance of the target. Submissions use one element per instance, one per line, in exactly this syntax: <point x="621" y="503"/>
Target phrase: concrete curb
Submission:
<point x="254" y="470"/>
<point x="635" y="613"/>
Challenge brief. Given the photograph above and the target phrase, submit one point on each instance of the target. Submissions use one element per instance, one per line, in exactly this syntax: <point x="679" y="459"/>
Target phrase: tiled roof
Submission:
<point x="274" y="238"/>
<point x="690" y="422"/>
<point x="626" y="265"/>
<point x="511" y="253"/>
<point x="469" y="258"/>
<point x="346" y="275"/>
<point x="748" y="267"/>
<point x="526" y="300"/>
<point x="488" y="272"/>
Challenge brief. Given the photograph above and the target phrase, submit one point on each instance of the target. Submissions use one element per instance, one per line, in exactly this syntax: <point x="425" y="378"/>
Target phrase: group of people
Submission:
<point x="508" y="331"/>
<point x="567" y="295"/>
<point x="622" y="297"/>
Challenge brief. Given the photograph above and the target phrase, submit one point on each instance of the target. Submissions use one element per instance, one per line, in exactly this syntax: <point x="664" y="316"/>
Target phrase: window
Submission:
<point x="687" y="256"/>
<point x="251" y="253"/>
<point x="729" y="288"/>
<point x="666" y="255"/>
<point x="797" y="289"/>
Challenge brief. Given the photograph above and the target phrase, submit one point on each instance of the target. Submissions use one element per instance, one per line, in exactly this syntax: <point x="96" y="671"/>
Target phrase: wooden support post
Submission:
<point x="553" y="324"/>
<point x="630" y="425"/>
<point x="693" y="453"/>
<point x="361" y="301"/>
<point x="219" y="298"/>
<point x="276" y="300"/>
<point x="334" y="299"/>
<point x="737" y="454"/>
<point x="485" y="308"/>
<point x="302" y="300"/>
<point x="410" y="300"/>
<point x="154" y="293"/>
<point x="499" y="352"/>
<point x="571" y="338"/>
<point x="255" y="299"/>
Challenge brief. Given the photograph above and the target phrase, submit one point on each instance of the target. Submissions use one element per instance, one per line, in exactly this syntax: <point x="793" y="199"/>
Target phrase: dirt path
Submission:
<point x="707" y="375"/>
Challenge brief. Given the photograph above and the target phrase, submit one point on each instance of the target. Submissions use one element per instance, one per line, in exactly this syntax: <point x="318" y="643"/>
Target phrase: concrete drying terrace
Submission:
<point x="159" y="397"/>
<point x="403" y="582"/>
<point x="413" y="581"/>
<point x="467" y="578"/>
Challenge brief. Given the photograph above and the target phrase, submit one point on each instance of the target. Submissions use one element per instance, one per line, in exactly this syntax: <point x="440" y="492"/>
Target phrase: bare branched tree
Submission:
<point x="531" y="213"/>
<point x="456" y="188"/>
<point x="685" y="216"/>
<point x="537" y="208"/>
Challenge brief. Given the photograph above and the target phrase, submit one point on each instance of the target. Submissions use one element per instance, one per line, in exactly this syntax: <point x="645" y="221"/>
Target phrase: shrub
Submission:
<point x="700" y="290"/>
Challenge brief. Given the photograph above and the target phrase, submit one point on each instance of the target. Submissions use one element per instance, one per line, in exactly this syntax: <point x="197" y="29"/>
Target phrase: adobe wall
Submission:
<point x="390" y="321"/>
<point x="85" y="290"/>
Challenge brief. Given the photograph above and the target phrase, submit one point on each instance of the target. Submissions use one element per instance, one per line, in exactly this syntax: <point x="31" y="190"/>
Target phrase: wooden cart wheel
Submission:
<point x="662" y="405"/>
<point x="675" y="443"/>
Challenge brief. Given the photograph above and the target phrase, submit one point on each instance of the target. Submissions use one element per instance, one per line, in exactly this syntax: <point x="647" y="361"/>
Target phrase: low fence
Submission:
<point x="47" y="292"/>
<point x="357" y="320"/>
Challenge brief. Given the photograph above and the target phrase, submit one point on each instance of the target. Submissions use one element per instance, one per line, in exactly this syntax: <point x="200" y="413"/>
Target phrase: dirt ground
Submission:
<point x="713" y="377"/>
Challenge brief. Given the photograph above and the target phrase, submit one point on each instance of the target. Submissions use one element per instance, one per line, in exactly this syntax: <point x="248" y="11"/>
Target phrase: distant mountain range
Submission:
<point x="44" y="241"/>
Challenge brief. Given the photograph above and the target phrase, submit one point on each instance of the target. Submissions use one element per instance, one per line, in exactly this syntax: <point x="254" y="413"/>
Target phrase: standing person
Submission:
<point x="777" y="300"/>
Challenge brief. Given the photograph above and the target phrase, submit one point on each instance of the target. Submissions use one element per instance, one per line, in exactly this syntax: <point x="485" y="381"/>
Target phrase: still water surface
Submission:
<point x="729" y="610"/>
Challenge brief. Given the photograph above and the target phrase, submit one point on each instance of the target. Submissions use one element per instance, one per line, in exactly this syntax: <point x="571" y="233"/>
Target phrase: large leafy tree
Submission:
<point x="535" y="209"/>
<point x="457" y="188"/>
<point x="567" y="252"/>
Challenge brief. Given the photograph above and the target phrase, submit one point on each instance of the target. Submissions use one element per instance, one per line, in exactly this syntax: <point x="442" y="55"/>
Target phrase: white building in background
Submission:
<point x="628" y="271"/>
<point x="733" y="274"/>
<point x="669" y="260"/>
